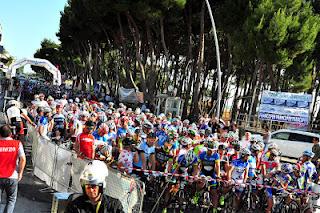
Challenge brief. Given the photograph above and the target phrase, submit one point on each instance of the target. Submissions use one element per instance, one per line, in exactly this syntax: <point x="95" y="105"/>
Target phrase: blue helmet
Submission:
<point x="308" y="153"/>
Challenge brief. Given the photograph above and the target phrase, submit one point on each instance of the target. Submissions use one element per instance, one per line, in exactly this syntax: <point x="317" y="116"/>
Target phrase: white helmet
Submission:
<point x="272" y="146"/>
<point x="190" y="156"/>
<point x="137" y="111"/>
<point x="94" y="173"/>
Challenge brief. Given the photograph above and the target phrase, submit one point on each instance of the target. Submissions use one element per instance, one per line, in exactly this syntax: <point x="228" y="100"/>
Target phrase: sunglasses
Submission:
<point x="88" y="186"/>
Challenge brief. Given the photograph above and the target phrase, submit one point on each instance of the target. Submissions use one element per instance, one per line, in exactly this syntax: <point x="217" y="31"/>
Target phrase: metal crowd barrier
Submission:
<point x="60" y="169"/>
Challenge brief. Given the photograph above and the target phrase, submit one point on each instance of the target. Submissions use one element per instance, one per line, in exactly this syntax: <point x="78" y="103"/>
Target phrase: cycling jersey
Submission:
<point x="126" y="159"/>
<point x="308" y="173"/>
<point x="252" y="166"/>
<point x="209" y="163"/>
<point x="271" y="165"/>
<point x="162" y="157"/>
<point x="147" y="150"/>
<point x="59" y="121"/>
<point x="239" y="169"/>
<point x="184" y="167"/>
<point x="199" y="149"/>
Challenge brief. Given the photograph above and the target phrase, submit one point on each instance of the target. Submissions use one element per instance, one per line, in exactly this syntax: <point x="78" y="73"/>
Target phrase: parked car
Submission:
<point x="293" y="142"/>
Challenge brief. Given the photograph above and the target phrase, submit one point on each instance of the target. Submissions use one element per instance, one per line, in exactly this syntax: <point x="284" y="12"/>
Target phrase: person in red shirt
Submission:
<point x="12" y="163"/>
<point x="84" y="145"/>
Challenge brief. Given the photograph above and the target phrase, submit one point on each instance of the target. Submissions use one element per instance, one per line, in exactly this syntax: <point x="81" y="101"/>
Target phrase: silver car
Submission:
<point x="293" y="142"/>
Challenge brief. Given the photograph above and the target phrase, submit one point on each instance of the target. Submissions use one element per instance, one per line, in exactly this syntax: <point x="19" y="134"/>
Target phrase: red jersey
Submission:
<point x="86" y="142"/>
<point x="8" y="154"/>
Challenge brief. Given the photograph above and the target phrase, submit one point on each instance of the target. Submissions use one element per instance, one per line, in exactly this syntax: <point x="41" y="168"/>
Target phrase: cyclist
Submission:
<point x="210" y="168"/>
<point x="270" y="165"/>
<point x="238" y="173"/>
<point x="127" y="156"/>
<point x="164" y="157"/>
<point x="146" y="152"/>
<point x="186" y="164"/>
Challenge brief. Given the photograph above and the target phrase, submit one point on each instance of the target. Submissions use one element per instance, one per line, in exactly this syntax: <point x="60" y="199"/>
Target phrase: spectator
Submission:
<point x="93" y="183"/>
<point x="12" y="163"/>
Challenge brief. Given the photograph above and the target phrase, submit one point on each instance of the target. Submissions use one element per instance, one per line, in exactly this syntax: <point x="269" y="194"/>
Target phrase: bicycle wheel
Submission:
<point x="293" y="207"/>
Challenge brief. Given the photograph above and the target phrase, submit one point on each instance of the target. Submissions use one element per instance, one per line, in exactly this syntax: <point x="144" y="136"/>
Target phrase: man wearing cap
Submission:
<point x="12" y="163"/>
<point x="84" y="145"/>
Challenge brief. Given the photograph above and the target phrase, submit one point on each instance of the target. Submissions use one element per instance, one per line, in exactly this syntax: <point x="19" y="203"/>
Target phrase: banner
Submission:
<point x="130" y="95"/>
<point x="285" y="107"/>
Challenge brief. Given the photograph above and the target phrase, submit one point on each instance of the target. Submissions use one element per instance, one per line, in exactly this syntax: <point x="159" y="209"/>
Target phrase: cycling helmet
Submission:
<point x="236" y="145"/>
<point x="190" y="156"/>
<point x="186" y="121"/>
<point x="127" y="142"/>
<point x="274" y="152"/>
<point x="286" y="168"/>
<point x="185" y="141"/>
<point x="212" y="144"/>
<point x="47" y="109"/>
<point x="255" y="147"/>
<point x="261" y="144"/>
<point x="192" y="132"/>
<point x="202" y="131"/>
<point x="308" y="153"/>
<point x="94" y="173"/>
<point x="208" y="132"/>
<point x="173" y="134"/>
<point x="147" y="125"/>
<point x="222" y="146"/>
<point x="152" y="135"/>
<point x="244" y="152"/>
<point x="273" y="146"/>
<point x="111" y="125"/>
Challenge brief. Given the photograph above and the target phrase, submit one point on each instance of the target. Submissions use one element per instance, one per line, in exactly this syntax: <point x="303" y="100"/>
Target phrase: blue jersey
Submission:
<point x="100" y="138"/>
<point x="208" y="163"/>
<point x="239" y="169"/>
<point x="308" y="173"/>
<point x="147" y="150"/>
<point x="121" y="132"/>
<point x="184" y="167"/>
<point x="162" y="137"/>
<point x="252" y="166"/>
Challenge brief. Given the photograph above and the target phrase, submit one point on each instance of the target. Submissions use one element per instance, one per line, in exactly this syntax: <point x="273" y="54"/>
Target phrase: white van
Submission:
<point x="293" y="142"/>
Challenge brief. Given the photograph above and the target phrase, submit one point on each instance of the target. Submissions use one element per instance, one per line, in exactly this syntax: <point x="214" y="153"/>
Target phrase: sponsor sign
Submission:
<point x="285" y="107"/>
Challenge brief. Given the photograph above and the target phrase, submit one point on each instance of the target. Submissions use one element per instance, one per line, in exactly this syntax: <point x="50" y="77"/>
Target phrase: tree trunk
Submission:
<point x="137" y="41"/>
<point x="188" y="61"/>
<point x="195" y="97"/>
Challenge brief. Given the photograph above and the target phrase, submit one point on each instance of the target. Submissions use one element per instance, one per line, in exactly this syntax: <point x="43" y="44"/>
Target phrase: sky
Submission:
<point x="25" y="23"/>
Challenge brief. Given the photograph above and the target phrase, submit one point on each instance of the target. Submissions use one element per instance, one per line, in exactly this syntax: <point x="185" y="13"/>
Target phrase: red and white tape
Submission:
<point x="188" y="177"/>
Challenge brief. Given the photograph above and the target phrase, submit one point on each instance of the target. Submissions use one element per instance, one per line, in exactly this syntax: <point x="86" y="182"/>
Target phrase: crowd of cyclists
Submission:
<point x="203" y="164"/>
